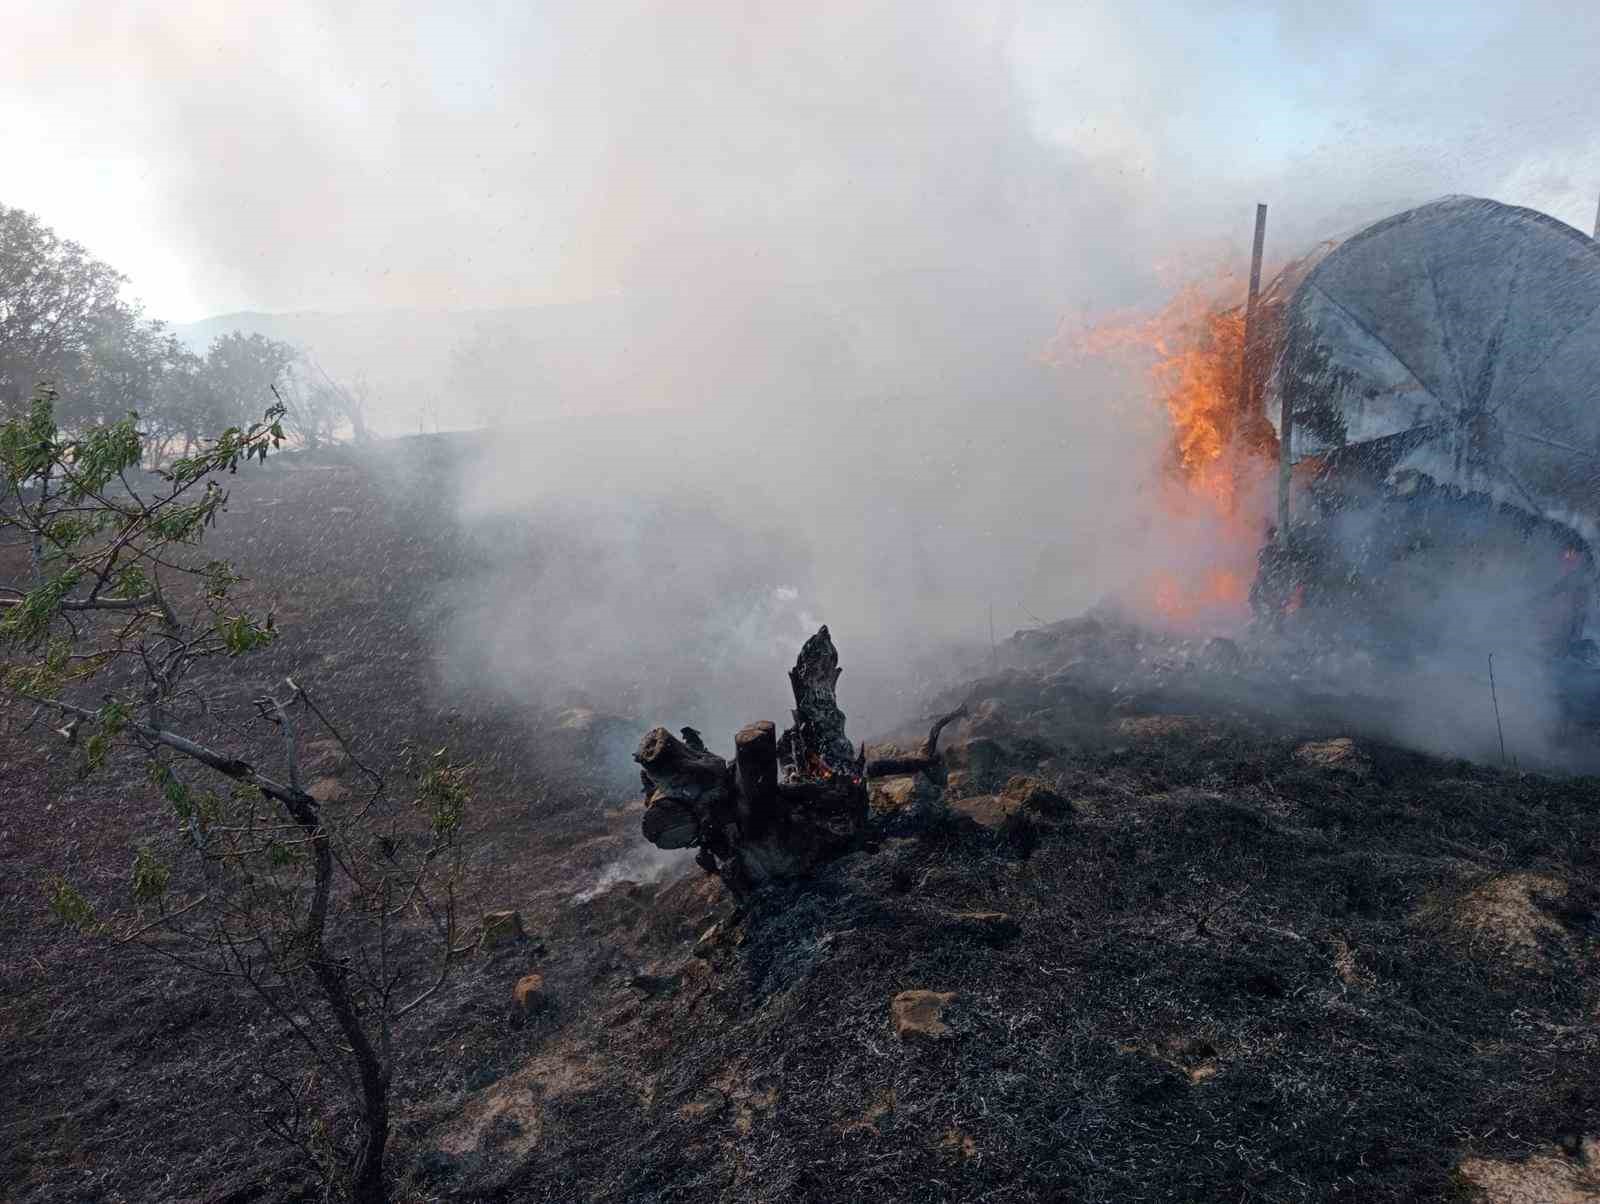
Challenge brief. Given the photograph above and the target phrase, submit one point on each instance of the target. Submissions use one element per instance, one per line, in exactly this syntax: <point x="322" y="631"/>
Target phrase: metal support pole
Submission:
<point x="1245" y="375"/>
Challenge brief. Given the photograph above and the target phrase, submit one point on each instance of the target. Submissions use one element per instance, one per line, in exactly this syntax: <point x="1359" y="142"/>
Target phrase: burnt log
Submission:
<point x="825" y="797"/>
<point x="682" y="771"/>
<point x="781" y="807"/>
<point x="690" y="789"/>
<point x="670" y="824"/>
<point x="928" y="760"/>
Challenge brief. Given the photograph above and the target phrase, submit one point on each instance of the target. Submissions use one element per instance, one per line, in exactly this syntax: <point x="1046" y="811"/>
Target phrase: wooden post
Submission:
<point x="1597" y="221"/>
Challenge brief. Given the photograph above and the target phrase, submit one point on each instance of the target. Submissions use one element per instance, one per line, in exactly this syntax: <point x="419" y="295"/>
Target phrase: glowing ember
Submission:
<point x="817" y="769"/>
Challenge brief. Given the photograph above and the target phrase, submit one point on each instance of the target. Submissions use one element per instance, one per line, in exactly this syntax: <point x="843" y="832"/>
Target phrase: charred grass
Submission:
<point x="1225" y="974"/>
<point x="130" y="1077"/>
<point x="1210" y="991"/>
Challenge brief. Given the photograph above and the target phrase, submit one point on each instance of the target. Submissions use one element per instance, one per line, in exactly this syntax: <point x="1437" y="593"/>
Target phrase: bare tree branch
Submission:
<point x="231" y="767"/>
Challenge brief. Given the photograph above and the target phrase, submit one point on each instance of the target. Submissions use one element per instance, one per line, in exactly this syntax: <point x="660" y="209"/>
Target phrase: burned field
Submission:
<point x="1151" y="941"/>
<point x="1141" y="956"/>
<point x="133" y="1075"/>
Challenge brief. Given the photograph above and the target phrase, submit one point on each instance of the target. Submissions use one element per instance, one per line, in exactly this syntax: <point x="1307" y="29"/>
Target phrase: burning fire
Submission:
<point x="1220" y="451"/>
<point x="1180" y="598"/>
<point x="818" y="769"/>
<point x="1194" y="354"/>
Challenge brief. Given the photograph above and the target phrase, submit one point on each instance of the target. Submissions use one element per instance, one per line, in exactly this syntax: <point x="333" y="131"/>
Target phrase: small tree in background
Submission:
<point x="319" y="407"/>
<point x="111" y="624"/>
<point x="240" y="369"/>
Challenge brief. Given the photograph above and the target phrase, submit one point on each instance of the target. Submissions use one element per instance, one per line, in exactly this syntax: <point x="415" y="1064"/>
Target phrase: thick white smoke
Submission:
<point x="763" y="287"/>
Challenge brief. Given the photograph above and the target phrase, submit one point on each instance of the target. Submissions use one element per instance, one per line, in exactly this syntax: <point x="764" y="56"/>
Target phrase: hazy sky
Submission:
<point x="299" y="154"/>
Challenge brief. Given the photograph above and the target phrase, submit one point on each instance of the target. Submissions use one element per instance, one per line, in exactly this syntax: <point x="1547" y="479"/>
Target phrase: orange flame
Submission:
<point x="1194" y="349"/>
<point x="818" y="769"/>
<point x="1182" y="600"/>
<point x="1219" y="448"/>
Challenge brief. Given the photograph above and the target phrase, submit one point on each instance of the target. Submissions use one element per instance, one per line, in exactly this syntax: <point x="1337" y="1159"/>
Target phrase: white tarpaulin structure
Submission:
<point x="1461" y="339"/>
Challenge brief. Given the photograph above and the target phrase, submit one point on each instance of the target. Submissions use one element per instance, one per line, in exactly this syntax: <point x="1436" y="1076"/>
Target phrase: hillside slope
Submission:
<point x="1176" y="946"/>
<point x="1188" y="958"/>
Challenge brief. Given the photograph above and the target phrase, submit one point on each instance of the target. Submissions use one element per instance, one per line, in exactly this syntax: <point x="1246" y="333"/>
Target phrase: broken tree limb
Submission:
<point x="681" y="770"/>
<point x="930" y="747"/>
<point x="299" y="803"/>
<point x="690" y="789"/>
<point x="781" y="807"/>
<point x="929" y="760"/>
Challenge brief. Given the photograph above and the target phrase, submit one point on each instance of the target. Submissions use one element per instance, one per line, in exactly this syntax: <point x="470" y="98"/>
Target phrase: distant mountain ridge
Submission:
<point x="403" y="355"/>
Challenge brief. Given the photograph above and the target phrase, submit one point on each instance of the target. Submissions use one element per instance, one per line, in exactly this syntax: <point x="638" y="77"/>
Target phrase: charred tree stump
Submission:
<point x="781" y="807"/>
<point x="755" y="756"/>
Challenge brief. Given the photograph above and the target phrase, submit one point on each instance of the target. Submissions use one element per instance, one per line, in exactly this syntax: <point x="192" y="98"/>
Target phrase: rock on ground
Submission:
<point x="921" y="1014"/>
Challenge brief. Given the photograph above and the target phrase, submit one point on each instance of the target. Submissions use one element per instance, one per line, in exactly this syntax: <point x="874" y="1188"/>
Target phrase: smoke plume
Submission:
<point x="761" y="293"/>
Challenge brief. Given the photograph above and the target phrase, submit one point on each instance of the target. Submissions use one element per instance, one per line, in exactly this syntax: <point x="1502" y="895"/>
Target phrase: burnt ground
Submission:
<point x="1184" y="948"/>
<point x="130" y="1078"/>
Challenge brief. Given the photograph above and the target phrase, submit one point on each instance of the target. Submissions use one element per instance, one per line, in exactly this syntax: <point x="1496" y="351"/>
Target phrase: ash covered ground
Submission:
<point x="1190" y="921"/>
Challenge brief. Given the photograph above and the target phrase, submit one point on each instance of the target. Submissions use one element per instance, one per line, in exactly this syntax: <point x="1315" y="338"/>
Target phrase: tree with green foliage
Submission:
<point x="55" y="299"/>
<point x="112" y="621"/>
<point x="65" y="327"/>
<point x="64" y="324"/>
<point x="240" y="369"/>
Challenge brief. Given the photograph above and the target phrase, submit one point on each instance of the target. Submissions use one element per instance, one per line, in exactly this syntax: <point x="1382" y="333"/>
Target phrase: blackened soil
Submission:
<point x="1232" y="970"/>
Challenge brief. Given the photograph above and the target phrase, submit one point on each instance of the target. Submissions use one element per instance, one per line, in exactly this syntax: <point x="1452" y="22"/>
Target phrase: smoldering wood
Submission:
<point x="669" y="824"/>
<point x="680" y="769"/>
<point x="895" y="767"/>
<point x="782" y="806"/>
<point x="928" y="761"/>
<point x="756" y="775"/>
<point x="817" y="741"/>
<point x="690" y="788"/>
